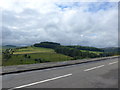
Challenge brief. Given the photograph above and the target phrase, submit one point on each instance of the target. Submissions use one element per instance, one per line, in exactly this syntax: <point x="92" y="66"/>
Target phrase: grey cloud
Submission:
<point x="71" y="26"/>
<point x="6" y="33"/>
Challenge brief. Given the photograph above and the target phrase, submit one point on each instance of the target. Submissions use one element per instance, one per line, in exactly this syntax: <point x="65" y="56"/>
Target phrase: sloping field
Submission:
<point x="44" y="57"/>
<point x="29" y="50"/>
<point x="32" y="55"/>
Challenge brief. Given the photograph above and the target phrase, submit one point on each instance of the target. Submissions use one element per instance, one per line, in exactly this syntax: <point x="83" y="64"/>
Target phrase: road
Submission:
<point x="100" y="74"/>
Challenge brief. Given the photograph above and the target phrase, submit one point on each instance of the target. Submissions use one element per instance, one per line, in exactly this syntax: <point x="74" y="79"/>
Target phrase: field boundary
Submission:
<point x="40" y="66"/>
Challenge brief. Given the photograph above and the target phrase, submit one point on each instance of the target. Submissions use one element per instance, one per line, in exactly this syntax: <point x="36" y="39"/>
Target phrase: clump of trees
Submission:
<point x="47" y="45"/>
<point x="76" y="53"/>
<point x="39" y="60"/>
<point x="86" y="48"/>
<point x="7" y="54"/>
<point x="27" y="56"/>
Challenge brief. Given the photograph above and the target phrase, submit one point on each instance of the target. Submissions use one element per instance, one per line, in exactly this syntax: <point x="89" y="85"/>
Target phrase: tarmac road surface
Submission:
<point x="100" y="74"/>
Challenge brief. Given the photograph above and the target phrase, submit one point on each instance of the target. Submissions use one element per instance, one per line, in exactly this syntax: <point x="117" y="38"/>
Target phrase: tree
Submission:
<point x="29" y="57"/>
<point x="25" y="55"/>
<point x="21" y="61"/>
<point x="7" y="54"/>
<point x="36" y="60"/>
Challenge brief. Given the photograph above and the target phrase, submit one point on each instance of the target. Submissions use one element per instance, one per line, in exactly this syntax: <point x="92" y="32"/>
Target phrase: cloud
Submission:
<point x="69" y="23"/>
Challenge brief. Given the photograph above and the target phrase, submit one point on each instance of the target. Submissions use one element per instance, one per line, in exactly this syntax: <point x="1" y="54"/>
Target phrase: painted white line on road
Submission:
<point x="94" y="68"/>
<point x="41" y="81"/>
<point x="113" y="63"/>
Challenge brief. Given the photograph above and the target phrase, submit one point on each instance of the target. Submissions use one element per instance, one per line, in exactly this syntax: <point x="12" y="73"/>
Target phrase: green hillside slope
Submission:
<point x="31" y="55"/>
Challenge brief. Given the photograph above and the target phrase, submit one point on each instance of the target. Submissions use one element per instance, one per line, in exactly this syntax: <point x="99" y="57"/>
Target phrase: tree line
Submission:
<point x="52" y="45"/>
<point x="87" y="48"/>
<point x="74" y="51"/>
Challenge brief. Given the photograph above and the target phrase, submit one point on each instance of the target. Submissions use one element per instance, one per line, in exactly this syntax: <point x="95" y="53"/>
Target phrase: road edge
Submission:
<point x="57" y="65"/>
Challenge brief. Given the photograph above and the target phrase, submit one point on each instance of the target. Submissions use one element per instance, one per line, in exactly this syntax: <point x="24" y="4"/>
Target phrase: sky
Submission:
<point x="26" y="22"/>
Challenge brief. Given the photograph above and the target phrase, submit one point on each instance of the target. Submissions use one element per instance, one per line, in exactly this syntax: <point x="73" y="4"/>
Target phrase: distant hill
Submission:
<point x="54" y="45"/>
<point x="111" y="49"/>
<point x="8" y="46"/>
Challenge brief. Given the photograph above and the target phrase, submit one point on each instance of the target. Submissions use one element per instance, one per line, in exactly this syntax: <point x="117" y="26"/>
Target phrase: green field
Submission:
<point x="29" y="50"/>
<point x="33" y="54"/>
<point x="91" y="52"/>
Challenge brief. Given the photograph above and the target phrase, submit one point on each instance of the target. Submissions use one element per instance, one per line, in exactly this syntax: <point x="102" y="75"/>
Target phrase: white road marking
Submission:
<point x="94" y="68"/>
<point x="41" y="81"/>
<point x="113" y="63"/>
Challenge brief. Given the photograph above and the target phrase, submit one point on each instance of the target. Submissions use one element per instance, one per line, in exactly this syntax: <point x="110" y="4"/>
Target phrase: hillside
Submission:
<point x="77" y="52"/>
<point x="31" y="55"/>
<point x="55" y="45"/>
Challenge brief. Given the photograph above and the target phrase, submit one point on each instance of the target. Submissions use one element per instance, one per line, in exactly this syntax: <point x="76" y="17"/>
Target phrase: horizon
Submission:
<point x="56" y="42"/>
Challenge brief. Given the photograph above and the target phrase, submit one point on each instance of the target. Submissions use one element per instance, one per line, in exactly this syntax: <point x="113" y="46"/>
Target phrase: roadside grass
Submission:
<point x="45" y="57"/>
